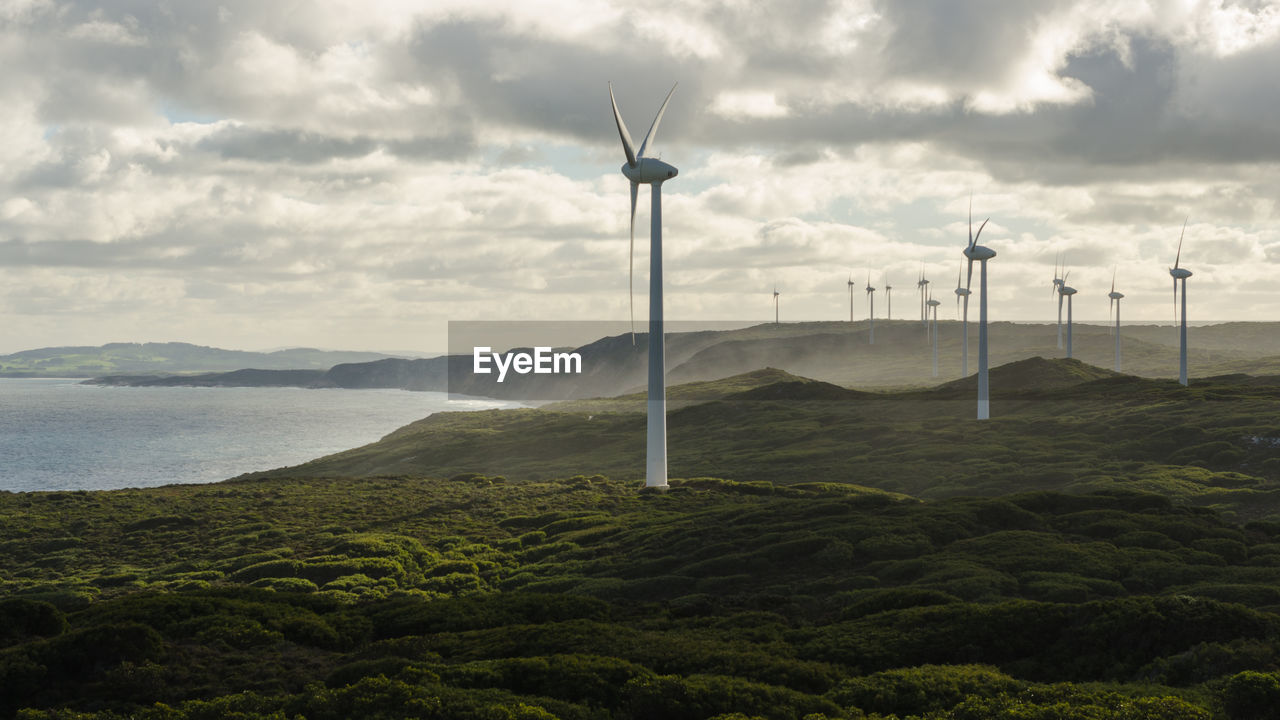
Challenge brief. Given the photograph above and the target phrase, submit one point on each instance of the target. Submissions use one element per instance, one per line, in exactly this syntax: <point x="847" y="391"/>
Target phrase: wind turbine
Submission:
<point x="1057" y="288"/>
<point x="933" y="305"/>
<point x="1181" y="273"/>
<point x="1115" y="304"/>
<point x="923" y="285"/>
<point x="851" y="284"/>
<point x="888" y="296"/>
<point x="982" y="254"/>
<point x="1069" y="292"/>
<point x="652" y="172"/>
<point x="963" y="292"/>
<point x="871" y="309"/>
<point x="775" y="304"/>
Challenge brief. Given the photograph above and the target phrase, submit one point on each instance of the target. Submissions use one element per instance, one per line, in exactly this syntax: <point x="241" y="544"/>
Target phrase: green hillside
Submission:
<point x="1057" y="425"/>
<point x="1106" y="548"/>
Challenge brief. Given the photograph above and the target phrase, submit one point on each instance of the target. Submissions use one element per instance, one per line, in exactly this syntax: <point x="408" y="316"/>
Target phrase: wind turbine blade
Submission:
<point x="653" y="129"/>
<point x="1113" y="279"/>
<point x="970" y="219"/>
<point x="969" y="278"/>
<point x="1177" y="259"/>
<point x="1110" y="309"/>
<point x="627" y="145"/>
<point x="631" y="263"/>
<point x="975" y="237"/>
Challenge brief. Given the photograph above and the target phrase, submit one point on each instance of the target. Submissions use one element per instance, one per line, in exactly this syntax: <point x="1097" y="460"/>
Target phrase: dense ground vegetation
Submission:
<point x="1125" y="573"/>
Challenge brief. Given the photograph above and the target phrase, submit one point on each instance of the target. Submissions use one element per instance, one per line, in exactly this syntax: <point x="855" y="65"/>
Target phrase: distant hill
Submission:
<point x="173" y="357"/>
<point x="832" y="352"/>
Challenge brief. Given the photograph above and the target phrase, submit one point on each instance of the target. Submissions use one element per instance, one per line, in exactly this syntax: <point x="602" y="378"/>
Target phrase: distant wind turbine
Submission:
<point x="1057" y="288"/>
<point x="1115" y="305"/>
<point x="1181" y="273"/>
<point x="982" y="254"/>
<point x="852" y="285"/>
<point x="653" y="172"/>
<point x="888" y="297"/>
<point x="933" y="305"/>
<point x="871" y="310"/>
<point x="923" y="285"/>
<point x="775" y="304"/>
<point x="963" y="292"/>
<point x="1069" y="292"/>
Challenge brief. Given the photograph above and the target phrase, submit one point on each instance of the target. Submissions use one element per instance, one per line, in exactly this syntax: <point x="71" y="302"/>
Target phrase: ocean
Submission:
<point x="56" y="434"/>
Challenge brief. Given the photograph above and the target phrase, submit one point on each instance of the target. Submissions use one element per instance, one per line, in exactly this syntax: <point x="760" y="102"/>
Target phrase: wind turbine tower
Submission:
<point x="1069" y="292"/>
<point x="933" y="305"/>
<point x="888" y="297"/>
<point x="1181" y="273"/>
<point x="775" y="304"/>
<point x="923" y="285"/>
<point x="1115" y="305"/>
<point x="982" y="254"/>
<point x="871" y="309"/>
<point x="651" y="171"/>
<point x="963" y="292"/>
<point x="1057" y="290"/>
<point x="851" y="284"/>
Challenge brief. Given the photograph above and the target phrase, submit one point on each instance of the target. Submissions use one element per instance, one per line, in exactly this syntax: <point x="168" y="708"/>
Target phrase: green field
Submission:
<point x="1107" y="548"/>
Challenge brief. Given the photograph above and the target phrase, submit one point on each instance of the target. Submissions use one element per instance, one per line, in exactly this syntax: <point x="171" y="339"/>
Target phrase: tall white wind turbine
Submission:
<point x="871" y="310"/>
<point x="932" y="304"/>
<point x="653" y="172"/>
<point x="1181" y="273"/>
<point x="982" y="254"/>
<point x="1070" y="293"/>
<point x="1057" y="290"/>
<point x="963" y="292"/>
<point x="775" y="304"/>
<point x="1115" y="305"/>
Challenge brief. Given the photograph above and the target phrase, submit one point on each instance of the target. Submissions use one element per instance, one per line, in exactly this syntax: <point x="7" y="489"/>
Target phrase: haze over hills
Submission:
<point x="168" y="357"/>
<point x="835" y="352"/>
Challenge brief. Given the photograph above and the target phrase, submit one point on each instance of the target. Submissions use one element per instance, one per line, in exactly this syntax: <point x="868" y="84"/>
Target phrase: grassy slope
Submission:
<point x="807" y="587"/>
<point x="587" y="599"/>
<point x="1058" y="425"/>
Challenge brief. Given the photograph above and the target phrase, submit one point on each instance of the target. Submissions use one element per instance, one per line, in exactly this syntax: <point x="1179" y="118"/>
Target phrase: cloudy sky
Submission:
<point x="357" y="173"/>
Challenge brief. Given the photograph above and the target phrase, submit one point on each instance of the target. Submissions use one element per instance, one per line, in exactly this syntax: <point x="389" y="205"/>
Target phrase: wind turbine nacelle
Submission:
<point x="1180" y="273"/>
<point x="1115" y="295"/>
<point x="1067" y="290"/>
<point x="649" y="170"/>
<point x="870" y="290"/>
<point x="979" y="252"/>
<point x="933" y="303"/>
<point x="963" y="292"/>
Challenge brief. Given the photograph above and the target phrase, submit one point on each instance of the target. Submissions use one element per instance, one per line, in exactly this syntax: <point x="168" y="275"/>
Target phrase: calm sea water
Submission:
<point x="56" y="434"/>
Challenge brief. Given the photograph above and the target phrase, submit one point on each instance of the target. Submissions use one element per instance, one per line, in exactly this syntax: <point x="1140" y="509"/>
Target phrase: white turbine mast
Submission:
<point x="1057" y="290"/>
<point x="651" y="171"/>
<point x="982" y="254"/>
<point x="775" y="304"/>
<point x="932" y="304"/>
<point x="871" y="310"/>
<point x="1115" y="306"/>
<point x="1181" y="273"/>
<point x="851" y="285"/>
<point x="888" y="297"/>
<point x="1069" y="292"/>
<point x="963" y="292"/>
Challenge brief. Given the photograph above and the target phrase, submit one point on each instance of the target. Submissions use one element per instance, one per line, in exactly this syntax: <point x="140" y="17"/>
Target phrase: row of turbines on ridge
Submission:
<point x="642" y="169"/>
<point x="1060" y="289"/>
